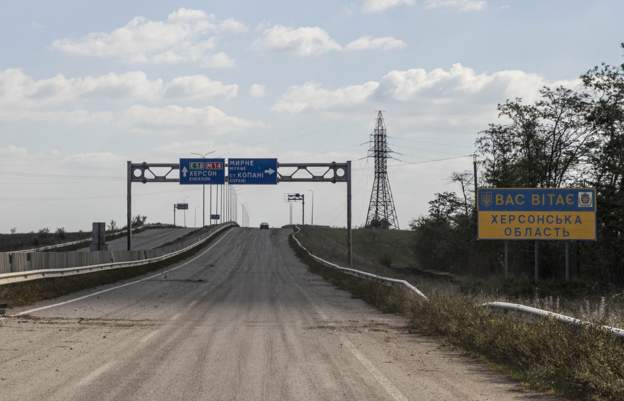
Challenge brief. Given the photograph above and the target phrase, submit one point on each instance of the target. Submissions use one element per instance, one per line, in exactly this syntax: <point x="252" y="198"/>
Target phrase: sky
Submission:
<point x="87" y="86"/>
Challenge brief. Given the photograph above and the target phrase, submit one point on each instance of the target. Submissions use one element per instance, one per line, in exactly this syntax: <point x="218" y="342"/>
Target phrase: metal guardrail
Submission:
<point x="529" y="310"/>
<point x="19" y="277"/>
<point x="503" y="306"/>
<point x="359" y="273"/>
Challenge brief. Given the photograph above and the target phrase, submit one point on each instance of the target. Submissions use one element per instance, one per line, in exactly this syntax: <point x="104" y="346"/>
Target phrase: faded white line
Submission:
<point x="380" y="377"/>
<point x="95" y="374"/>
<point x="27" y="312"/>
<point x="177" y="315"/>
<point x="192" y="304"/>
<point x="149" y="336"/>
<point x="383" y="381"/>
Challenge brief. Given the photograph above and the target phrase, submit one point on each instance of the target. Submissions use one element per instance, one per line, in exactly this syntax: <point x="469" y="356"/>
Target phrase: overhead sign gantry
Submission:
<point x="239" y="172"/>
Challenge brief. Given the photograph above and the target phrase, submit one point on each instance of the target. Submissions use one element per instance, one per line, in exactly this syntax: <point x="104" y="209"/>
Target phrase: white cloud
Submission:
<point x="458" y="82"/>
<point x="199" y="86"/>
<point x="187" y="36"/>
<point x="257" y="90"/>
<point x="311" y="96"/>
<point x="375" y="6"/>
<point x="454" y="88"/>
<point x="304" y="41"/>
<point x="19" y="90"/>
<point x="210" y="120"/>
<point x="62" y="117"/>
<point x="372" y="43"/>
<point x="313" y="41"/>
<point x="462" y="5"/>
<point x="104" y="99"/>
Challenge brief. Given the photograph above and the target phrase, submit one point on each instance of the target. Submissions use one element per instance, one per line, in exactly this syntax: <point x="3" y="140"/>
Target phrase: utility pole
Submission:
<point x="475" y="178"/>
<point x="210" y="212"/>
<point x="222" y="203"/>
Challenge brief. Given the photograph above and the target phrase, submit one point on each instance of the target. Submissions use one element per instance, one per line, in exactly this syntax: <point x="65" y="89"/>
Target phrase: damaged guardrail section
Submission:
<point x="32" y="275"/>
<point x="499" y="306"/>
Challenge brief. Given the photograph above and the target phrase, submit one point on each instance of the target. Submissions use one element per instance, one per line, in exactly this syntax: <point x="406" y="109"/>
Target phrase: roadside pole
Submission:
<point x="349" y="232"/>
<point x="567" y="261"/>
<point x="129" y="205"/>
<point x="302" y="209"/>
<point x="203" y="205"/>
<point x="536" y="255"/>
<point x="506" y="259"/>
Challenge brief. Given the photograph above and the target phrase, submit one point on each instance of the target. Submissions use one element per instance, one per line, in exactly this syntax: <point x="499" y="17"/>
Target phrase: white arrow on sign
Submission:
<point x="184" y="172"/>
<point x="269" y="171"/>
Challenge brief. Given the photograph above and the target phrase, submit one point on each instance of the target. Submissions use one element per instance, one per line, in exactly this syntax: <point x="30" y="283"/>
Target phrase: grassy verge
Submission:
<point x="582" y="363"/>
<point x="580" y="299"/>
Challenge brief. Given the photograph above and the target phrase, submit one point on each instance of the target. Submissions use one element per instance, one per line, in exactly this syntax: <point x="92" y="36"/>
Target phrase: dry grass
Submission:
<point x="577" y="299"/>
<point x="582" y="363"/>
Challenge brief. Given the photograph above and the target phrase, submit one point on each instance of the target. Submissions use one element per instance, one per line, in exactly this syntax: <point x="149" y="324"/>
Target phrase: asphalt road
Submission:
<point x="243" y="320"/>
<point x="148" y="239"/>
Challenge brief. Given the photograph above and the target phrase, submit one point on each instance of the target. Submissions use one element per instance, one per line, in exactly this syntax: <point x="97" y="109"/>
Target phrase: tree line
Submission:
<point x="569" y="137"/>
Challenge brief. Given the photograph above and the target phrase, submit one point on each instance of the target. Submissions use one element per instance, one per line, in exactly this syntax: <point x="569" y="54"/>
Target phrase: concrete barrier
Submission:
<point x="11" y="262"/>
<point x="5" y="264"/>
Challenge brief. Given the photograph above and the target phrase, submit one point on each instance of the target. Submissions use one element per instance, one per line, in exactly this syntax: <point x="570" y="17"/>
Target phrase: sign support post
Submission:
<point x="506" y="259"/>
<point x="536" y="271"/>
<point x="129" y="205"/>
<point x="567" y="261"/>
<point x="349" y="230"/>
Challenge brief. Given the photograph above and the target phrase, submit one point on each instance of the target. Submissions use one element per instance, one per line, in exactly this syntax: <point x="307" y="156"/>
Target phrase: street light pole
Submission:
<point x="312" y="214"/>
<point x="203" y="155"/>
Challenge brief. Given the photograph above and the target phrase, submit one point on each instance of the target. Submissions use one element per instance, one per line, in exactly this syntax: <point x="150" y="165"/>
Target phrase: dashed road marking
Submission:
<point x="91" y="377"/>
<point x="149" y="336"/>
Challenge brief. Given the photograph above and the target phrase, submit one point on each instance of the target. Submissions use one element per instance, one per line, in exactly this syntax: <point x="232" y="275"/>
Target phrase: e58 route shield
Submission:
<point x="537" y="213"/>
<point x="202" y="171"/>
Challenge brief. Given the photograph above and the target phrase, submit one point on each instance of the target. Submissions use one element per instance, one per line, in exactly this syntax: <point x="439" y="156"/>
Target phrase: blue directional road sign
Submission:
<point x="202" y="171"/>
<point x="252" y="171"/>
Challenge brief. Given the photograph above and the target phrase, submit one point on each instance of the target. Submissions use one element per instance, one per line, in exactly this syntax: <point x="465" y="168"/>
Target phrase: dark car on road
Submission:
<point x="264" y="226"/>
